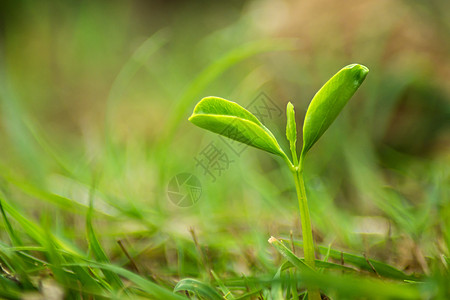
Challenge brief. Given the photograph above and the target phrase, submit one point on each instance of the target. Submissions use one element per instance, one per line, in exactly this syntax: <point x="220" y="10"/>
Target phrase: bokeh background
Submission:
<point x="99" y="92"/>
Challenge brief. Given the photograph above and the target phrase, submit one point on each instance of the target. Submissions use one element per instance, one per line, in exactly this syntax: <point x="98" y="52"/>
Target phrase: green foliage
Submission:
<point x="235" y="122"/>
<point x="101" y="88"/>
<point x="291" y="126"/>
<point x="97" y="250"/>
<point x="229" y="119"/>
<point x="291" y="131"/>
<point x="363" y="263"/>
<point x="329" y="101"/>
<point x="223" y="288"/>
<point x="289" y="255"/>
<point x="198" y="288"/>
<point x="304" y="268"/>
<point x="350" y="284"/>
<point x="153" y="290"/>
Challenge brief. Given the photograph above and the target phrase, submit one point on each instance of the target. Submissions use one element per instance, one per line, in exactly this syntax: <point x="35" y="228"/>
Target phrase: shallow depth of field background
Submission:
<point x="97" y="93"/>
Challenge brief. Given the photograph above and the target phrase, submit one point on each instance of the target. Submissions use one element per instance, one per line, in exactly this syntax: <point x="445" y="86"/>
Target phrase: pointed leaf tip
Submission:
<point x="291" y="126"/>
<point x="329" y="101"/>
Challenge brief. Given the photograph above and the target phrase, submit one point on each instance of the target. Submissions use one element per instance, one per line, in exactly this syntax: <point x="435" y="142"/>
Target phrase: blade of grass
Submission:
<point x="276" y="291"/>
<point x="38" y="135"/>
<point x="17" y="266"/>
<point x="96" y="248"/>
<point x="38" y="234"/>
<point x="323" y="265"/>
<point x="383" y="269"/>
<point x="225" y="291"/>
<point x="153" y="289"/>
<point x="19" y="263"/>
<point x="197" y="287"/>
<point x="313" y="291"/>
<point x="34" y="231"/>
<point x="15" y="240"/>
<point x="346" y="286"/>
<point x="31" y="190"/>
<point x="9" y="289"/>
<point x="129" y="70"/>
<point x="56" y="259"/>
<point x="13" y="116"/>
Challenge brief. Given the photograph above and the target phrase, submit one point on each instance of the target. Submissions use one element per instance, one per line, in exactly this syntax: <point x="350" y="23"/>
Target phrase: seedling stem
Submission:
<point x="304" y="216"/>
<point x="226" y="118"/>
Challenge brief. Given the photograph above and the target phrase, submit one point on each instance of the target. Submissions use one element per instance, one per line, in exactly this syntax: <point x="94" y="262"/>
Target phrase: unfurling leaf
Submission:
<point x="329" y="101"/>
<point x="229" y="119"/>
<point x="291" y="126"/>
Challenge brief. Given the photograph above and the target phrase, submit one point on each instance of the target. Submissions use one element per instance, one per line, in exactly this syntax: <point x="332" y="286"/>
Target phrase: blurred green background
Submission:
<point x="97" y="93"/>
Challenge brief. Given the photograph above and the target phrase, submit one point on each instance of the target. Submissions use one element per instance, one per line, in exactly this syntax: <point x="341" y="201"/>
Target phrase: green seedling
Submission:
<point x="235" y="122"/>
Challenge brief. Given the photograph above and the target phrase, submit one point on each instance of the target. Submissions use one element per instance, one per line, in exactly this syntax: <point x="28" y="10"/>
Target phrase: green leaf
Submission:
<point x="289" y="255"/>
<point x="291" y="131"/>
<point x="329" y="101"/>
<point x="151" y="288"/>
<point x="323" y="265"/>
<point x="344" y="286"/>
<point x="197" y="287"/>
<point x="277" y="287"/>
<point x="226" y="291"/>
<point x="313" y="292"/>
<point x="96" y="248"/>
<point x="291" y="126"/>
<point x="362" y="263"/>
<point x="229" y="119"/>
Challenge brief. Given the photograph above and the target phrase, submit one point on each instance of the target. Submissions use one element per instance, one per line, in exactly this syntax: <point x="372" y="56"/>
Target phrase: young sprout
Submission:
<point x="235" y="122"/>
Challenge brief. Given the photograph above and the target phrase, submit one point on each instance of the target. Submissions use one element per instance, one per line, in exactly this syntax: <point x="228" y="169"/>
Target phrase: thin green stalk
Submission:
<point x="293" y="148"/>
<point x="308" y="241"/>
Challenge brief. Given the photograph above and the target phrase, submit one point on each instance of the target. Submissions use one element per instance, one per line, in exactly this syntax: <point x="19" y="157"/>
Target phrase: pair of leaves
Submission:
<point x="229" y="119"/>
